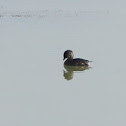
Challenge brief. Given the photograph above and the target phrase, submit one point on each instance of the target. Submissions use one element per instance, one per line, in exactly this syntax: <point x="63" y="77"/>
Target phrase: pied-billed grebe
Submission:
<point x="68" y="55"/>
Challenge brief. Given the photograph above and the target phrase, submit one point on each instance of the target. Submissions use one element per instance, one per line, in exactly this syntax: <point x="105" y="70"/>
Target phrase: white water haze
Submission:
<point x="35" y="87"/>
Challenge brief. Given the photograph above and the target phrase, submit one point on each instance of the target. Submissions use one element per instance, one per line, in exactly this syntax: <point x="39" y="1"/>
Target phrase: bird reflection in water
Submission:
<point x="69" y="73"/>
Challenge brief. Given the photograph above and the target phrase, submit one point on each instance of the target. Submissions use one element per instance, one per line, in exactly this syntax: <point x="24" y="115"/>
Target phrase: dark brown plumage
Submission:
<point x="68" y="55"/>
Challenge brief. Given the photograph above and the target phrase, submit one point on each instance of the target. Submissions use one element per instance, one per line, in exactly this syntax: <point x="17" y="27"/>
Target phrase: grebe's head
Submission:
<point x="68" y="54"/>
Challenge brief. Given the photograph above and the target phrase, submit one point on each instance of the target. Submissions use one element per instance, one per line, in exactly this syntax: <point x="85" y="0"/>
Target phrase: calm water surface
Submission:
<point x="35" y="87"/>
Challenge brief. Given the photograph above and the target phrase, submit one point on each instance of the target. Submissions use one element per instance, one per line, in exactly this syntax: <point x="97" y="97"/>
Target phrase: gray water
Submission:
<point x="33" y="87"/>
